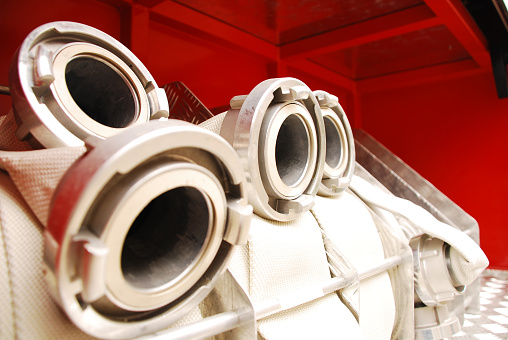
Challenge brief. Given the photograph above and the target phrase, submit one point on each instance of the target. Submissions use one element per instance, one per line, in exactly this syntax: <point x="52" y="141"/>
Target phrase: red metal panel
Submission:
<point x="207" y="28"/>
<point x="323" y="73"/>
<point x="138" y="18"/>
<point x="418" y="49"/>
<point x="283" y="21"/>
<point x="460" y="23"/>
<point x="389" y="25"/>
<point x="453" y="132"/>
<point x="425" y="75"/>
<point x="212" y="72"/>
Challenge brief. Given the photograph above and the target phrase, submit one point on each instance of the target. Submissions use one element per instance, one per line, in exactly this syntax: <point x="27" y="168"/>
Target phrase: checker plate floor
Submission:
<point x="492" y="322"/>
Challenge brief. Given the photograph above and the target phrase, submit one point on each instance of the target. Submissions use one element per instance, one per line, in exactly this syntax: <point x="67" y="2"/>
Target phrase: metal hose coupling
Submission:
<point x="143" y="225"/>
<point x="278" y="133"/>
<point x="69" y="81"/>
<point x="340" y="148"/>
<point x="434" y="279"/>
<point x="435" y="289"/>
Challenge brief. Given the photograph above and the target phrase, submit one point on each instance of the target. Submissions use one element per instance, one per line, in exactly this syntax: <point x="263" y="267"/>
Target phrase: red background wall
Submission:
<point x="454" y="133"/>
<point x="452" y="130"/>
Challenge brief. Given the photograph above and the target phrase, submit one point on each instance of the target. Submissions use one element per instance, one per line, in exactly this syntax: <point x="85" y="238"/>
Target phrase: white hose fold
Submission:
<point x="467" y="260"/>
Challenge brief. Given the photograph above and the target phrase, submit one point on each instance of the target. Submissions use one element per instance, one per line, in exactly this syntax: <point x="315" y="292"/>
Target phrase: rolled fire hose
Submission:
<point x="277" y="131"/>
<point x="137" y="242"/>
<point x="69" y="81"/>
<point x="179" y="206"/>
<point x="285" y="256"/>
<point x="466" y="259"/>
<point x="349" y="226"/>
<point x="355" y="234"/>
<point x="445" y="261"/>
<point x="166" y="201"/>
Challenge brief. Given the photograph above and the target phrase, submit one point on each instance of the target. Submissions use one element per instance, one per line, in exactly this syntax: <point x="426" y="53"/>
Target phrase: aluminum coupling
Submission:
<point x="278" y="133"/>
<point x="434" y="280"/>
<point x="340" y="148"/>
<point x="69" y="81"/>
<point x="142" y="226"/>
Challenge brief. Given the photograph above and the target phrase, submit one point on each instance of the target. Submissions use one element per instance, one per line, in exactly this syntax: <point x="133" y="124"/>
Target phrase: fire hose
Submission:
<point x="143" y="218"/>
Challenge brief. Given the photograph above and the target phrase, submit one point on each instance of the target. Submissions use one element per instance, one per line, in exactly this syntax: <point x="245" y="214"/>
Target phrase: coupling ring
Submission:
<point x="70" y="81"/>
<point x="142" y="227"/>
<point x="433" y="284"/>
<point x="278" y="133"/>
<point x="288" y="150"/>
<point x="340" y="149"/>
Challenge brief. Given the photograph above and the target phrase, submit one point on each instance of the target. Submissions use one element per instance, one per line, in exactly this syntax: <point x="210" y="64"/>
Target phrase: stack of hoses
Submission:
<point x="138" y="218"/>
<point x="272" y="130"/>
<point x="280" y="131"/>
<point x="133" y="221"/>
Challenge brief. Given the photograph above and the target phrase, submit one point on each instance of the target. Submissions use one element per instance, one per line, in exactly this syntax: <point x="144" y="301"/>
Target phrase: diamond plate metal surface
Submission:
<point x="492" y="322"/>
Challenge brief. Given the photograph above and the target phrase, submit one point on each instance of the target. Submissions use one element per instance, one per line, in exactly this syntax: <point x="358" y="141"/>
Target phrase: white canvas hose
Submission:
<point x="73" y="88"/>
<point x="349" y="225"/>
<point x="285" y="249"/>
<point x="37" y="173"/>
<point x="467" y="260"/>
<point x="285" y="256"/>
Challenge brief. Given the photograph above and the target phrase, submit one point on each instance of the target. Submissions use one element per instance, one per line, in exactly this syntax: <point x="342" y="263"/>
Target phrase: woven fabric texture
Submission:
<point x="7" y="318"/>
<point x="28" y="311"/>
<point x="284" y="256"/>
<point x="8" y="140"/>
<point x="37" y="174"/>
<point x="32" y="313"/>
<point x="348" y="224"/>
<point x="215" y="123"/>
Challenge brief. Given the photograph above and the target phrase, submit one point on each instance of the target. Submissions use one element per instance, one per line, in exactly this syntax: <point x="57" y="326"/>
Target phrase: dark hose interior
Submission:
<point x="100" y="92"/>
<point x="292" y="150"/>
<point x="165" y="238"/>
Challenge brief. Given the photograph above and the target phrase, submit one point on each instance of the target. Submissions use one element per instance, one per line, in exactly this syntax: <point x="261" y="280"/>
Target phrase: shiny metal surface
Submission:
<point x="5" y="90"/>
<point x="228" y="311"/>
<point x="278" y="133"/>
<point x="435" y="322"/>
<point x="435" y="290"/>
<point x="142" y="227"/>
<point x="184" y="105"/>
<point x="491" y="322"/>
<point x="340" y="149"/>
<point x="70" y="81"/>
<point x="434" y="284"/>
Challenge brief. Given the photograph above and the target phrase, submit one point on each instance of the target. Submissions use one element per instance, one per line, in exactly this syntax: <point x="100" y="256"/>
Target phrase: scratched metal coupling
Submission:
<point x="340" y="148"/>
<point x="142" y="227"/>
<point x="69" y="81"/>
<point x="278" y="133"/>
